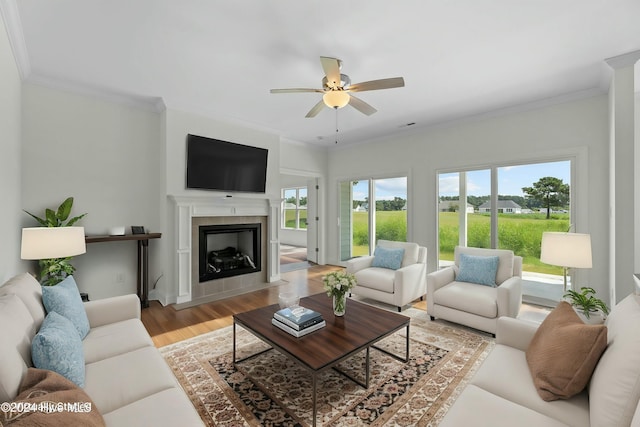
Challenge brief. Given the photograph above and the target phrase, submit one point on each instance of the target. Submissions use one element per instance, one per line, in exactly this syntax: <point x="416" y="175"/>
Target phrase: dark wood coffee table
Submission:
<point x="359" y="329"/>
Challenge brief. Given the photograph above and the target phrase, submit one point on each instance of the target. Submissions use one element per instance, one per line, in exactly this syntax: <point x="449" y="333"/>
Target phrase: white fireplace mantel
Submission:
<point x="188" y="207"/>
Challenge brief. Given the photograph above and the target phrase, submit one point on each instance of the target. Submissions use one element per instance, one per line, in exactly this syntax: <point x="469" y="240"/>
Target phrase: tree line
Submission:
<point x="546" y="193"/>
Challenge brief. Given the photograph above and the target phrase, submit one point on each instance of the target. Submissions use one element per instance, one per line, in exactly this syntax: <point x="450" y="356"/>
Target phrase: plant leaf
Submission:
<point x="40" y="220"/>
<point x="52" y="219"/>
<point x="65" y="209"/>
<point x="75" y="219"/>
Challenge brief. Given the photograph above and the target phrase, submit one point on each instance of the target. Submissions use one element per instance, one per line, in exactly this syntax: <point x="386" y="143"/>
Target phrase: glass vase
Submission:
<point x="339" y="304"/>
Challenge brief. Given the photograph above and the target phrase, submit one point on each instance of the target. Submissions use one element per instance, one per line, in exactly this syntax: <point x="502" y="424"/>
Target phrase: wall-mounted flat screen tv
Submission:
<point x="213" y="164"/>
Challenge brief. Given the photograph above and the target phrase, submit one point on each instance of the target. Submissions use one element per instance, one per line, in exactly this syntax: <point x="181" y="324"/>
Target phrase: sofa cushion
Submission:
<point x="64" y="299"/>
<point x="390" y="258"/>
<point x="505" y="373"/>
<point x="468" y="297"/>
<point x="27" y="288"/>
<point x="564" y="352"/>
<point x="505" y="263"/>
<point x="411" y="250"/>
<point x="478" y="269"/>
<point x="140" y="373"/>
<point x="479" y="408"/>
<point x="381" y="279"/>
<point x="41" y="387"/>
<point x="615" y="385"/>
<point x="15" y="351"/>
<point x="110" y="340"/>
<point x="57" y="347"/>
<point x="169" y="407"/>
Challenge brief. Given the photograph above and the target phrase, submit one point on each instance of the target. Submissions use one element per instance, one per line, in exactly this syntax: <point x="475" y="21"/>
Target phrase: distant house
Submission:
<point x="360" y="208"/>
<point x="453" y="206"/>
<point x="504" y="206"/>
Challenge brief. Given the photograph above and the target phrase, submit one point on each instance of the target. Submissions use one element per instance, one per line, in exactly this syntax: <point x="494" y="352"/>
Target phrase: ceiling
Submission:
<point x="220" y="58"/>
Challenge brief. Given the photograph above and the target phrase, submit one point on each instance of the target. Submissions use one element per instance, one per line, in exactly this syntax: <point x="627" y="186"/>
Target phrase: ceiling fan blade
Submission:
<point x="296" y="90"/>
<point x="315" y="110"/>
<point x="377" y="84"/>
<point x="331" y="67"/>
<point x="361" y="106"/>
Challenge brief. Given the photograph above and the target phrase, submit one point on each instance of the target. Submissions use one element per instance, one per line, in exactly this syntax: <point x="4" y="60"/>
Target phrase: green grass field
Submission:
<point x="520" y="233"/>
<point x="290" y="218"/>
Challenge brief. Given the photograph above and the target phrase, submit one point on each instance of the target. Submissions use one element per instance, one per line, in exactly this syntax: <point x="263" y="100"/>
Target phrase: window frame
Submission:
<point x="298" y="209"/>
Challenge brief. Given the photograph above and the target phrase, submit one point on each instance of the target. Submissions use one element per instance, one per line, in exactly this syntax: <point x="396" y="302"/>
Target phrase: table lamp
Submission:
<point x="52" y="243"/>
<point x="567" y="250"/>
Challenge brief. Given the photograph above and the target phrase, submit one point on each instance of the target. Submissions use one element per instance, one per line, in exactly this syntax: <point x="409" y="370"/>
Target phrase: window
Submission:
<point x="371" y="209"/>
<point x="508" y="207"/>
<point x="294" y="208"/>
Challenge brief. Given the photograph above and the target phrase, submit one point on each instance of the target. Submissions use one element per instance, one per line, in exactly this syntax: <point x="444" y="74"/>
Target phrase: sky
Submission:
<point x="511" y="179"/>
<point x="386" y="189"/>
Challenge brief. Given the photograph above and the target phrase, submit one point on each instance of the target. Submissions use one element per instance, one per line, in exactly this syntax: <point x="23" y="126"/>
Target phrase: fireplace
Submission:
<point x="228" y="250"/>
<point x="191" y="213"/>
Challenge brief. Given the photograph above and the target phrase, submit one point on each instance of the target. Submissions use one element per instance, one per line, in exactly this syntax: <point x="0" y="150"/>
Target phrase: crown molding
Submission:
<point x="624" y="60"/>
<point x="148" y="103"/>
<point x="13" y="23"/>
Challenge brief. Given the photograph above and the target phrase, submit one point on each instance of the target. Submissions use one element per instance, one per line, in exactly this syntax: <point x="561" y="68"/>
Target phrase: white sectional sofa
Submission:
<point x="502" y="392"/>
<point x="126" y="378"/>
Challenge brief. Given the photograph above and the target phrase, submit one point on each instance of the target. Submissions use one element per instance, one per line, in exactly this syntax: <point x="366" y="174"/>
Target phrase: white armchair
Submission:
<point x="471" y="304"/>
<point x="396" y="287"/>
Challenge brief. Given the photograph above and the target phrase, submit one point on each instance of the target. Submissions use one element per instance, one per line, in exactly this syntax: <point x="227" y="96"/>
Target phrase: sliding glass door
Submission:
<point x="507" y="207"/>
<point x="371" y="209"/>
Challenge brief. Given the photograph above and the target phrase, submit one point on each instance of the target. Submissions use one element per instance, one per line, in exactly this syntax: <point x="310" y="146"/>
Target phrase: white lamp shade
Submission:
<point x="336" y="98"/>
<point x="572" y="250"/>
<point x="52" y="242"/>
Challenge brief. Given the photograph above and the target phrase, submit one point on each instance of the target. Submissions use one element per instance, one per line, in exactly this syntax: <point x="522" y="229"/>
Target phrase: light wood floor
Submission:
<point x="166" y="325"/>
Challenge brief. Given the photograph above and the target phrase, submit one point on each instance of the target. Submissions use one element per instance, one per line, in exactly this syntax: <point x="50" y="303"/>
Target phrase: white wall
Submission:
<point x="300" y="164"/>
<point x="10" y="116"/>
<point x="578" y="128"/>
<point x="107" y="156"/>
<point x="177" y="125"/>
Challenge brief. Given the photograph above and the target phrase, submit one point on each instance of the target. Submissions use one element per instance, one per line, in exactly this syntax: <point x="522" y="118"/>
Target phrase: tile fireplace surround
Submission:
<point x="191" y="212"/>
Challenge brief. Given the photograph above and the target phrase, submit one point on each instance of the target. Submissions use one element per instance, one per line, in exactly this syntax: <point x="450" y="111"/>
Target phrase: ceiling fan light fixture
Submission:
<point x="336" y="98"/>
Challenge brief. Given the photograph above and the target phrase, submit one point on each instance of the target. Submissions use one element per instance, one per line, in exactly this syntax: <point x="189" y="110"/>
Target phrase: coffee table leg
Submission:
<point x="234" y="343"/>
<point x="315" y="396"/>
<point x="366" y="375"/>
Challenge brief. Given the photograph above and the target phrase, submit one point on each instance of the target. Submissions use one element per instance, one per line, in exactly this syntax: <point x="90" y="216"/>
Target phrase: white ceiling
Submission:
<point x="219" y="58"/>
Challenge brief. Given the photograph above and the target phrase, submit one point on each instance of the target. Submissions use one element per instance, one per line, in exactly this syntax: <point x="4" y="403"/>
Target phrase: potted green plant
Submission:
<point x="54" y="270"/>
<point x="587" y="304"/>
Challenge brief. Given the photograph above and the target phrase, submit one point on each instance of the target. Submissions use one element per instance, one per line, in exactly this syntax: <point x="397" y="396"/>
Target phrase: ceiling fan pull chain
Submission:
<point x="336" y="108"/>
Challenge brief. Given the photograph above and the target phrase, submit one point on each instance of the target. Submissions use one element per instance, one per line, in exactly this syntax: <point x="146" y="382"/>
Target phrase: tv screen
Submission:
<point x="213" y="164"/>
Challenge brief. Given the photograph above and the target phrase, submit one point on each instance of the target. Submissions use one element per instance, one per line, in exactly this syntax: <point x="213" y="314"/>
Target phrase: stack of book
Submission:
<point x="298" y="321"/>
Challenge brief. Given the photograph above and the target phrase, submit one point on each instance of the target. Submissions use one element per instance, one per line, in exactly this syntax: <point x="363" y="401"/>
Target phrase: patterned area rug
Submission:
<point x="271" y="390"/>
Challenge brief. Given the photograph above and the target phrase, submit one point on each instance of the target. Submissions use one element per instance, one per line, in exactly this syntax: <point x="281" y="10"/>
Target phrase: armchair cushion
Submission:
<point x="388" y="257"/>
<point x="505" y="263"/>
<point x="411" y="250"/>
<point x="470" y="298"/>
<point x="380" y="279"/>
<point x="478" y="269"/>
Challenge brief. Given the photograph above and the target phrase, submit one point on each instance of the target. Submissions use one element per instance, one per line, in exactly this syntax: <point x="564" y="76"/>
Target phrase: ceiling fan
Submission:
<point x="337" y="89"/>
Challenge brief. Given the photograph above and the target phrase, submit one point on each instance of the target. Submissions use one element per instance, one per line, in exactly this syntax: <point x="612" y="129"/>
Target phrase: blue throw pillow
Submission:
<point x="388" y="257"/>
<point x="57" y="347"/>
<point x="64" y="299"/>
<point x="478" y="269"/>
